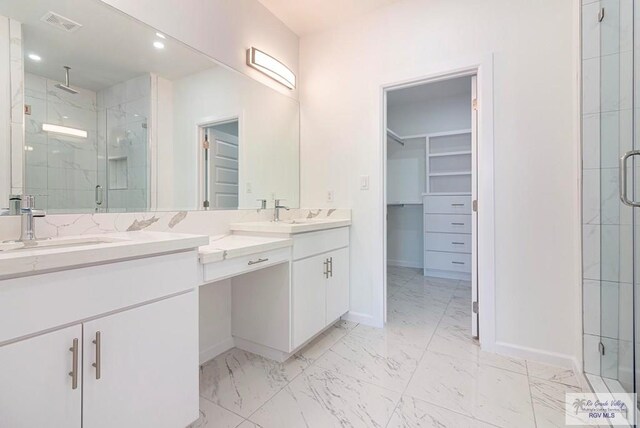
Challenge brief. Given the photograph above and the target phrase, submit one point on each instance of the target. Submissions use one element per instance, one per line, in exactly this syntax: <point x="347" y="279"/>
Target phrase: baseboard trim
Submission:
<point x="264" y="351"/>
<point x="404" y="263"/>
<point x="361" y="318"/>
<point x="538" y="355"/>
<point x="217" y="349"/>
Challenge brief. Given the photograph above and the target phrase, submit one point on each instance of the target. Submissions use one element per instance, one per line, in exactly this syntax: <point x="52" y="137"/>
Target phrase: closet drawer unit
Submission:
<point x="456" y="262"/>
<point x="447" y="223"/>
<point x="450" y="242"/>
<point x="447" y="204"/>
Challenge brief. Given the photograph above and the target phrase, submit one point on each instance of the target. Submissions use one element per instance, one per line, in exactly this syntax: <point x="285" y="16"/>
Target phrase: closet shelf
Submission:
<point x="446" y="174"/>
<point x="464" y="152"/>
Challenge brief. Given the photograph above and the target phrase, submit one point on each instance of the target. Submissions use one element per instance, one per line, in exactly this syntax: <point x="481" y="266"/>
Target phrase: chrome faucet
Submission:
<point x="28" y="212"/>
<point x="276" y="210"/>
<point x="14" y="206"/>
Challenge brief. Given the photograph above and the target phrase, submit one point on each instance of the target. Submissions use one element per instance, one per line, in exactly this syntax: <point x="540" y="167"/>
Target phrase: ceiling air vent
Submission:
<point x="60" y="22"/>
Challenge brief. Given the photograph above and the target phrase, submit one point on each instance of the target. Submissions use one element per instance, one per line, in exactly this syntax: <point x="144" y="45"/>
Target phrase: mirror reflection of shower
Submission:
<point x="86" y="140"/>
<point x="67" y="86"/>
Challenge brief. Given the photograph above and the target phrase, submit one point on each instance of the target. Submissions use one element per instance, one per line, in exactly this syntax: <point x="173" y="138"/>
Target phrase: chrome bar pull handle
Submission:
<point x="99" y="196"/>
<point x="326" y="268"/>
<point x="98" y="364"/>
<point x="331" y="266"/>
<point x="622" y="171"/>
<point x="255" y="262"/>
<point x="74" y="364"/>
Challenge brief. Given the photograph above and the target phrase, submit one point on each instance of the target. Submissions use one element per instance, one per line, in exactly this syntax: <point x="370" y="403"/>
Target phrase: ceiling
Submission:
<point x="435" y="90"/>
<point x="308" y="16"/>
<point x="109" y="48"/>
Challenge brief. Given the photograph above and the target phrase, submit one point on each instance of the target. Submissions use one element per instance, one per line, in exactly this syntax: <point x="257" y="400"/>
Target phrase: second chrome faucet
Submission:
<point x="277" y="208"/>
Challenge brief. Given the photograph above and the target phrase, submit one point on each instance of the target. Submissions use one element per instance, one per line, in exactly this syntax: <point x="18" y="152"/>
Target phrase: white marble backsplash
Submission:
<point x="212" y="223"/>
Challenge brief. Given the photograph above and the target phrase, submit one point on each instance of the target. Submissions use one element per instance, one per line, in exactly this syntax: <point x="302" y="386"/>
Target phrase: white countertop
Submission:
<point x="290" y="227"/>
<point x="105" y="248"/>
<point x="230" y="246"/>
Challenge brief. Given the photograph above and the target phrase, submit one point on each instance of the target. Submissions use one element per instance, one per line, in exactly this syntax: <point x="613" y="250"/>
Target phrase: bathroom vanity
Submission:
<point x="100" y="333"/>
<point x="289" y="281"/>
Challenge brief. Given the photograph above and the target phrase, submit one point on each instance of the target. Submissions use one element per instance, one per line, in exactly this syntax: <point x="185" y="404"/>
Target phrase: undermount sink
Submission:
<point x="56" y="243"/>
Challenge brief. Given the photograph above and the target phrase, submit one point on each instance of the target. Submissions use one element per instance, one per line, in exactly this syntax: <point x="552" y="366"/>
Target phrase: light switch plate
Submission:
<point x="330" y="196"/>
<point x="364" y="182"/>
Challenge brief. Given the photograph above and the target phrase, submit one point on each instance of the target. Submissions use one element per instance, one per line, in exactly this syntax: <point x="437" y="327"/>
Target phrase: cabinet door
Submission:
<point x="148" y="365"/>
<point x="338" y="284"/>
<point x="309" y="298"/>
<point x="36" y="389"/>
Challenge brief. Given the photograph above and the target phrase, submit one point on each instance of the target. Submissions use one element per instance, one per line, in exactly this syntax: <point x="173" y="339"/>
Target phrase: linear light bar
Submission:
<point x="271" y="67"/>
<point x="57" y="129"/>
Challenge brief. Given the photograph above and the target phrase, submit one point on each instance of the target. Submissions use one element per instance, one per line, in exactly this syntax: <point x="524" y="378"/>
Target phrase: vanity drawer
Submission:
<point x="40" y="302"/>
<point x="217" y="271"/>
<point x="447" y="204"/>
<point x="449" y="242"/>
<point x="309" y="244"/>
<point x="457" y="262"/>
<point x="447" y="223"/>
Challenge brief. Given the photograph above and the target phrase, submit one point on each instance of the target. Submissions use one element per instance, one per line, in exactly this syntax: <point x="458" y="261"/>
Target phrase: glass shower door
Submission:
<point x="615" y="119"/>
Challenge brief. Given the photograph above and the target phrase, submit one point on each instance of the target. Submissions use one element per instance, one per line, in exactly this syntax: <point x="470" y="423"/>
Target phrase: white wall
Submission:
<point x="222" y="29"/>
<point x="406" y="169"/>
<point x="536" y="156"/>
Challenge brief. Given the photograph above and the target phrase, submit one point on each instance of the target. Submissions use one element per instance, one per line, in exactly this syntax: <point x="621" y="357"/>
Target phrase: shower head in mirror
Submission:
<point x="65" y="86"/>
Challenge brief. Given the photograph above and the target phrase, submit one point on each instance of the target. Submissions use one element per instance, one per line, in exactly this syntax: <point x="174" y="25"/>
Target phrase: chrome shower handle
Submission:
<point x="99" y="197"/>
<point x="622" y="171"/>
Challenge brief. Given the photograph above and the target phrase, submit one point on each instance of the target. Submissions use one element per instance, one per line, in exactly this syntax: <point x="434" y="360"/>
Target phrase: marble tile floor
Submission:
<point x="422" y="370"/>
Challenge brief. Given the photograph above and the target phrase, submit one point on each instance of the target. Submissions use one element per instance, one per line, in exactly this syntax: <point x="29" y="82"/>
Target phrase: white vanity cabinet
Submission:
<point x="35" y="386"/>
<point x="148" y="373"/>
<point x="101" y="346"/>
<point x="319" y="281"/>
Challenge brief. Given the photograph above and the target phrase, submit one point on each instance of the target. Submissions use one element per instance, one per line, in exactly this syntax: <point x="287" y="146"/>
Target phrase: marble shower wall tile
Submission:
<point x="17" y="101"/>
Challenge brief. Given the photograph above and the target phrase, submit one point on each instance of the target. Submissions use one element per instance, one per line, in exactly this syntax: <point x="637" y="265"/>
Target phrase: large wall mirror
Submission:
<point x="109" y="115"/>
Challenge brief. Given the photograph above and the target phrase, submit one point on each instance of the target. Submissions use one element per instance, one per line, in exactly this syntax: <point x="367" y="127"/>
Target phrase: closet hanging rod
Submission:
<point x="395" y="137"/>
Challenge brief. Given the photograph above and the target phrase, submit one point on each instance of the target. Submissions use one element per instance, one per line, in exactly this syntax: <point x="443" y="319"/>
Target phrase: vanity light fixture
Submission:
<point x="35" y="57"/>
<point x="65" y="130"/>
<point x="271" y="67"/>
<point x="158" y="44"/>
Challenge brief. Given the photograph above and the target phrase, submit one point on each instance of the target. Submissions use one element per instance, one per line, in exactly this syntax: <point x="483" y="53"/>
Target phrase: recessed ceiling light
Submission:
<point x="35" y="57"/>
<point x="162" y="36"/>
<point x="158" y="45"/>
